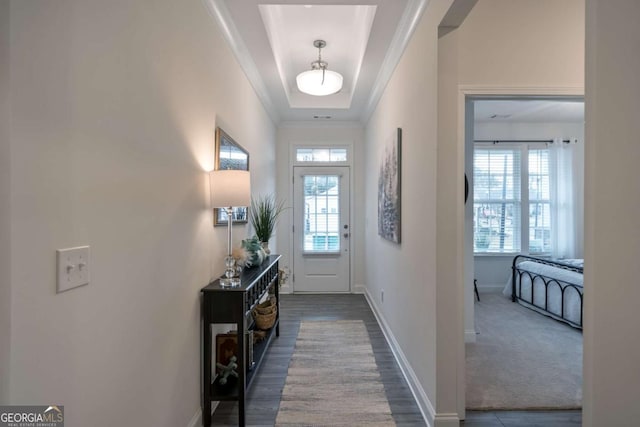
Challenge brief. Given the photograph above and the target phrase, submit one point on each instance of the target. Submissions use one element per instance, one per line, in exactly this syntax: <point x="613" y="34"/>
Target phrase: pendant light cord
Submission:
<point x="320" y="62"/>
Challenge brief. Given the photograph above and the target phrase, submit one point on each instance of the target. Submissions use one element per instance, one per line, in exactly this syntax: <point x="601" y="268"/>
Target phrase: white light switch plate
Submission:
<point x="73" y="268"/>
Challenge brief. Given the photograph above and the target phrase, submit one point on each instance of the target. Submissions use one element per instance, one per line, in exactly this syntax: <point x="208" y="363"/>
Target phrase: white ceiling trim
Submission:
<point x="270" y="14"/>
<point x="221" y="15"/>
<point x="408" y="23"/>
<point x="327" y="124"/>
<point x="514" y="92"/>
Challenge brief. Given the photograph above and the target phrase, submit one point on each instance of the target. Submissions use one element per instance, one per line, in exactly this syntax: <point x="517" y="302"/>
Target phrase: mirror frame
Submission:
<point x="224" y="142"/>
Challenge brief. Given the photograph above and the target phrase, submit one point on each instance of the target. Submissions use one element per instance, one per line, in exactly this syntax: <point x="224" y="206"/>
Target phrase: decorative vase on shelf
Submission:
<point x="265" y="246"/>
<point x="253" y="254"/>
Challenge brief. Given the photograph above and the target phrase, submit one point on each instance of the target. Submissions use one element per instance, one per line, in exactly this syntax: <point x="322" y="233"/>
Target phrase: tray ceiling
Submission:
<point x="273" y="41"/>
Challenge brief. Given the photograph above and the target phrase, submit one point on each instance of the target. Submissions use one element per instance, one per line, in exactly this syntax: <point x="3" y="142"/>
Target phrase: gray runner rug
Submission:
<point x="333" y="379"/>
<point x="522" y="359"/>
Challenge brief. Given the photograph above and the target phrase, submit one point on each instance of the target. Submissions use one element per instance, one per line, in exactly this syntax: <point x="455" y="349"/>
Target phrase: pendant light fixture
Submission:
<point x="319" y="81"/>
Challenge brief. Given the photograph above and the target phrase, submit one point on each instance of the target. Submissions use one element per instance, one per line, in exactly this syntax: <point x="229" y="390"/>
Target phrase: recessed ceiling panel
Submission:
<point x="273" y="42"/>
<point x="292" y="29"/>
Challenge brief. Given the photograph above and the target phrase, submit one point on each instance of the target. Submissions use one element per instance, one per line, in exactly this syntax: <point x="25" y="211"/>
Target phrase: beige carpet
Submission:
<point x="333" y="379"/>
<point x="522" y="359"/>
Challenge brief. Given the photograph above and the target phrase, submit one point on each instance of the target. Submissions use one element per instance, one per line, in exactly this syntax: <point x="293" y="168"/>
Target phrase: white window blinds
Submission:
<point x="497" y="200"/>
<point x="539" y="201"/>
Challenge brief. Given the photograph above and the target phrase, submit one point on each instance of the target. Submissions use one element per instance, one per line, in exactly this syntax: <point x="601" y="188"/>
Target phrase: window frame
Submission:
<point x="322" y="146"/>
<point x="524" y="202"/>
<point x="324" y="212"/>
<point x="550" y="201"/>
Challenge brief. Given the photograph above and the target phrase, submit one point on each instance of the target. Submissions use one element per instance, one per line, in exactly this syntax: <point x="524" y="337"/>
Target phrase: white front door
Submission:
<point x="321" y="261"/>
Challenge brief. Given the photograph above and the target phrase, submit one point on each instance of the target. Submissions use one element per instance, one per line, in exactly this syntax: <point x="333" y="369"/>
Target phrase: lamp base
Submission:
<point x="229" y="282"/>
<point x="229" y="279"/>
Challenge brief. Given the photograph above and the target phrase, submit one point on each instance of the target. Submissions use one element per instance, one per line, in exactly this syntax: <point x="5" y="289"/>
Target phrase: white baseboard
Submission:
<point x="196" y="420"/>
<point x="285" y="289"/>
<point x="446" y="420"/>
<point x="359" y="289"/>
<point x="470" y="335"/>
<point x="426" y="408"/>
<point x="490" y="288"/>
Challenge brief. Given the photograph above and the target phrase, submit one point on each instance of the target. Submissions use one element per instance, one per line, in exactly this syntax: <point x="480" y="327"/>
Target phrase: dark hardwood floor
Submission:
<point x="523" y="419"/>
<point x="263" y="398"/>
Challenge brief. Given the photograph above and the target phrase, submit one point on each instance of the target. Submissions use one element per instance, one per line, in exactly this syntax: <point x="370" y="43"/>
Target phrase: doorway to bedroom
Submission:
<point x="524" y="160"/>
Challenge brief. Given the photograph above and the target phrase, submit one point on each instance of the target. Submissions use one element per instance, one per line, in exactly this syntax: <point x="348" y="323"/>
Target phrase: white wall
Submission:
<point x="338" y="133"/>
<point x="450" y="216"/>
<point x="5" y="206"/>
<point x="612" y="241"/>
<point x="114" y="106"/>
<point x="503" y="47"/>
<point x="492" y="272"/>
<point x="407" y="272"/>
<point x="523" y="43"/>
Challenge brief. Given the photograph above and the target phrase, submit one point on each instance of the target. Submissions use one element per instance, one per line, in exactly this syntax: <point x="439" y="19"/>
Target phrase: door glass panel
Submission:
<point x="321" y="213"/>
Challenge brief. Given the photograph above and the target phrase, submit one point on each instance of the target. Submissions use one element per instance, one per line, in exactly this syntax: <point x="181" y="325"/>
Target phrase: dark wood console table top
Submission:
<point x="234" y="305"/>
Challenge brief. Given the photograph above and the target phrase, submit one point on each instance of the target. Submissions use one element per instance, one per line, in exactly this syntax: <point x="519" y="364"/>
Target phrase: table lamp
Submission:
<point x="229" y="189"/>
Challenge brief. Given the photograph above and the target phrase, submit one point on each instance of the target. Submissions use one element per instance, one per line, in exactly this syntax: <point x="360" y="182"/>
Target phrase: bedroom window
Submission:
<point x="508" y="181"/>
<point x="539" y="202"/>
<point x="497" y="201"/>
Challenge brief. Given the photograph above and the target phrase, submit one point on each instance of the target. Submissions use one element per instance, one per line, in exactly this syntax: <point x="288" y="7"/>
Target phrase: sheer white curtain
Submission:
<point x="563" y="205"/>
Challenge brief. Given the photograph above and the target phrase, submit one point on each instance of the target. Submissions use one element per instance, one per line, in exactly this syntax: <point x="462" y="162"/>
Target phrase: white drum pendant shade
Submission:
<point x="314" y="83"/>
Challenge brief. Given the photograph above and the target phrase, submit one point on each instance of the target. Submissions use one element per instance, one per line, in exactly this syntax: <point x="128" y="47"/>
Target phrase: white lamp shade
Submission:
<point x="310" y="82"/>
<point x="230" y="188"/>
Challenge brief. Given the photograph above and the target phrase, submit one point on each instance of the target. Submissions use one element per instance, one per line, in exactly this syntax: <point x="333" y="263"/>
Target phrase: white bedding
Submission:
<point x="572" y="307"/>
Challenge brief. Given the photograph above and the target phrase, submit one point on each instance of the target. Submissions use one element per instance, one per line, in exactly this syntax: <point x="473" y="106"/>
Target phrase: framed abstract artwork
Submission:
<point x="390" y="189"/>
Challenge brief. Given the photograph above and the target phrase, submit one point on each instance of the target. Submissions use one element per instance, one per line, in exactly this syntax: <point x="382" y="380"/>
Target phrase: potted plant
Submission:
<point x="263" y="215"/>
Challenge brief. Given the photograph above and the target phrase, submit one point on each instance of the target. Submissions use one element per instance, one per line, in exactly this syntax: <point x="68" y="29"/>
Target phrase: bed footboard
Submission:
<point x="552" y="291"/>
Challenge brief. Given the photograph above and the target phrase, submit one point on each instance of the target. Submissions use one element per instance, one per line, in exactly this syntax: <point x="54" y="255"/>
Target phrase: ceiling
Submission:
<point x="273" y="42"/>
<point x="529" y="111"/>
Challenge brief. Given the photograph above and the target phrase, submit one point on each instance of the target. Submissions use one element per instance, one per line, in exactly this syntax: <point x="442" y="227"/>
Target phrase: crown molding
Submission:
<point x="408" y="23"/>
<point x="222" y="18"/>
<point x="321" y="124"/>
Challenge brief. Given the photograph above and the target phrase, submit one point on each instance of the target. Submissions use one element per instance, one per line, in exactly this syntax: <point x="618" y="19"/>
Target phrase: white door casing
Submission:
<point x="321" y="229"/>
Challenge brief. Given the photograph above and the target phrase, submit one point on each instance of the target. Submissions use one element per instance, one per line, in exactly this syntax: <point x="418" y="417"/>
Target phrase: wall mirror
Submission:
<point x="229" y="155"/>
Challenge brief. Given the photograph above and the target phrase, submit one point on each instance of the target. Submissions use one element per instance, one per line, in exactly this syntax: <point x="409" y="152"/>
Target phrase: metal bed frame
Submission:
<point x="547" y="281"/>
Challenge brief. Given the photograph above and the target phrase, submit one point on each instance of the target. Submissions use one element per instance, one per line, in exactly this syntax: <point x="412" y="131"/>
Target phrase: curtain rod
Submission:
<point x="546" y="141"/>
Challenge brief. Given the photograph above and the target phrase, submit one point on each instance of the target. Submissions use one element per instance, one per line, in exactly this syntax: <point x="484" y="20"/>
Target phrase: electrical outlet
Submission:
<point x="382" y="295"/>
<point x="73" y="268"/>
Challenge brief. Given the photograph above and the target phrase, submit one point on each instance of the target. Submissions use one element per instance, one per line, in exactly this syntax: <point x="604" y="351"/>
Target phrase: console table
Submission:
<point x="234" y="305"/>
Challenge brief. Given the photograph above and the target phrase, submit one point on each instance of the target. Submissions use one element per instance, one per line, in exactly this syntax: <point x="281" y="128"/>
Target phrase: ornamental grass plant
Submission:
<point x="263" y="215"/>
